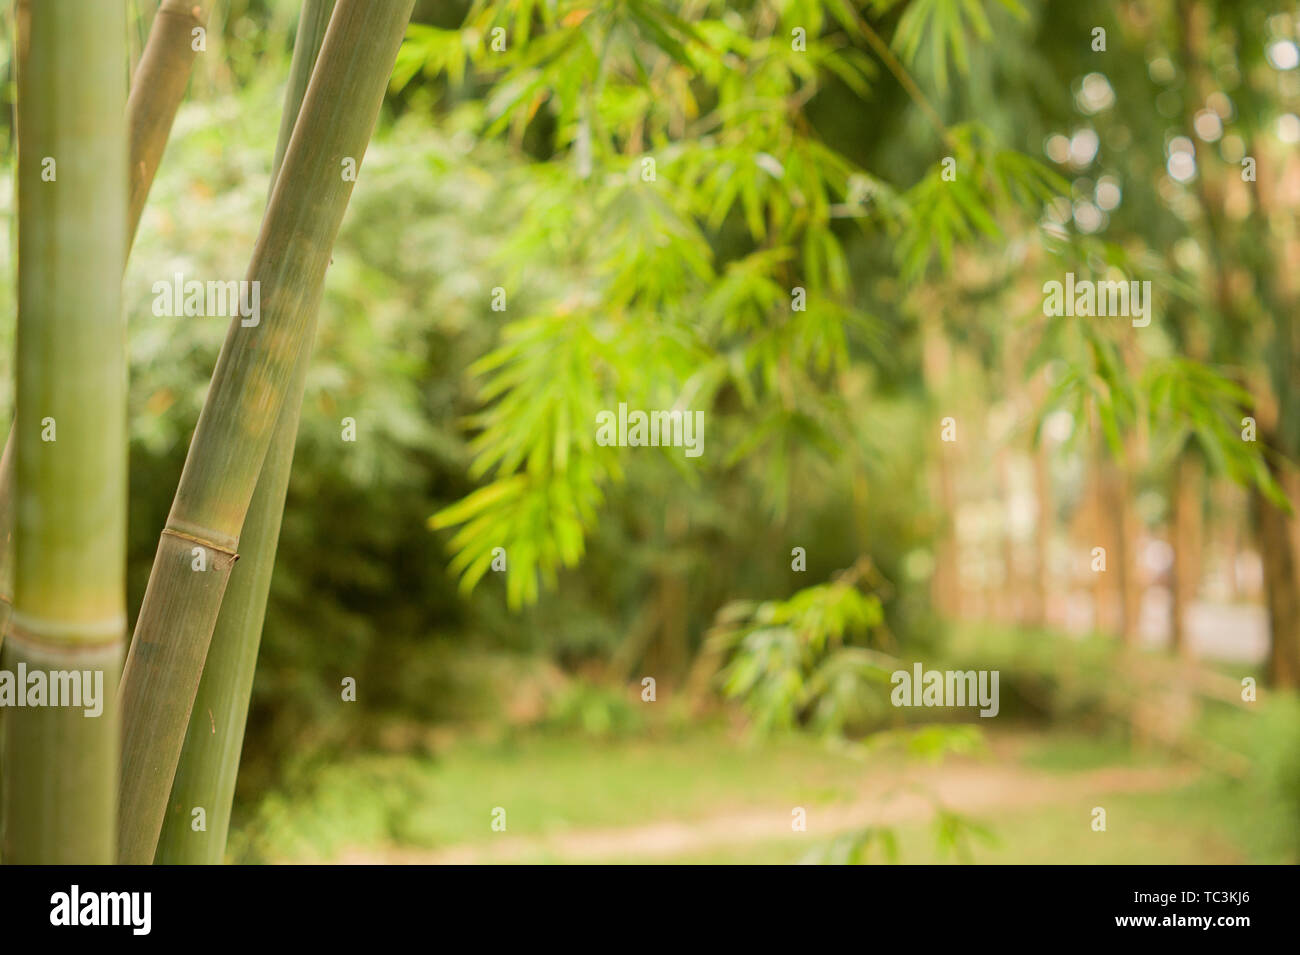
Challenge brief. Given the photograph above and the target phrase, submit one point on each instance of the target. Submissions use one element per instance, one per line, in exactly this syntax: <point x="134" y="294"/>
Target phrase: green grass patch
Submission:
<point x="1207" y="823"/>
<point x="545" y="782"/>
<point x="551" y="784"/>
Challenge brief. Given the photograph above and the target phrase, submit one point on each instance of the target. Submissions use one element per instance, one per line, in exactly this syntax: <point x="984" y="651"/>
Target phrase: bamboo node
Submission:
<point x="52" y="636"/>
<point x="203" y="541"/>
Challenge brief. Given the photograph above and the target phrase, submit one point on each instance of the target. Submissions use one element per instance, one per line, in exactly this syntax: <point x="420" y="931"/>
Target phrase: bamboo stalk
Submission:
<point x="249" y="388"/>
<point x="60" y="788"/>
<point x="156" y="91"/>
<point x="209" y="761"/>
<point x="312" y="24"/>
<point x="22" y="42"/>
<point x="6" y="534"/>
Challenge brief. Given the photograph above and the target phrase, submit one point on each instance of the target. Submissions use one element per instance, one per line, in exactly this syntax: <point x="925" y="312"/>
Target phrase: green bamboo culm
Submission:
<point x="6" y="535"/>
<point x="209" y="761"/>
<point x="156" y="91"/>
<point x="312" y="24"/>
<point x="69" y="613"/>
<point x="249" y="388"/>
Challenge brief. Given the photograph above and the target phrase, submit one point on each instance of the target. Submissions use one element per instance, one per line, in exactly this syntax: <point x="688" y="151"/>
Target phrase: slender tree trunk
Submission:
<point x="1117" y="591"/>
<point x="1186" y="547"/>
<point x="69" y="614"/>
<point x="946" y="582"/>
<point x="667" y="657"/>
<point x="1282" y="590"/>
<point x="209" y="761"/>
<point x="252" y="380"/>
<point x="1106" y="586"/>
<point x="947" y="577"/>
<point x="1011" y="608"/>
<point x="632" y="650"/>
<point x="1278" y="554"/>
<point x="1289" y="478"/>
<point x="1042" y="536"/>
<point x="1129" y="576"/>
<point x="1228" y="520"/>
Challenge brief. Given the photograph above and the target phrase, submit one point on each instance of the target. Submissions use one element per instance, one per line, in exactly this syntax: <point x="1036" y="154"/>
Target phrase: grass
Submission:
<point x="569" y="786"/>
<point x="1066" y="751"/>
<point x="547" y="784"/>
<point x="1190" y="825"/>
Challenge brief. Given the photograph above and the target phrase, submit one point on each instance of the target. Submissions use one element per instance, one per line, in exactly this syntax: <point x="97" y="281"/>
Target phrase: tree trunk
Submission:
<point x="1042" y="537"/>
<point x="1129" y="532"/>
<point x="667" y="657"/>
<point x="1281" y="589"/>
<point x="945" y="585"/>
<point x="1117" y="591"/>
<point x="1011" y="602"/>
<point x="1186" y="543"/>
<point x="1106" y="583"/>
<point x="947" y="594"/>
<point x="1229" y="518"/>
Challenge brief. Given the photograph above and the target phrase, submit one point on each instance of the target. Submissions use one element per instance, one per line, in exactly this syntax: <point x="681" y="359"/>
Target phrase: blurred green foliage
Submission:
<point x="804" y="660"/>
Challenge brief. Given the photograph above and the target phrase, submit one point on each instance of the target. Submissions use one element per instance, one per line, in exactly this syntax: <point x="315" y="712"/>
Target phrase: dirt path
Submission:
<point x="974" y="788"/>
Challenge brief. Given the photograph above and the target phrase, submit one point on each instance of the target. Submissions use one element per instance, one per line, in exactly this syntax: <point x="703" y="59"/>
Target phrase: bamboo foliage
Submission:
<point x="209" y="761"/>
<point x="156" y="91"/>
<point x="70" y="432"/>
<point x="249" y="388"/>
